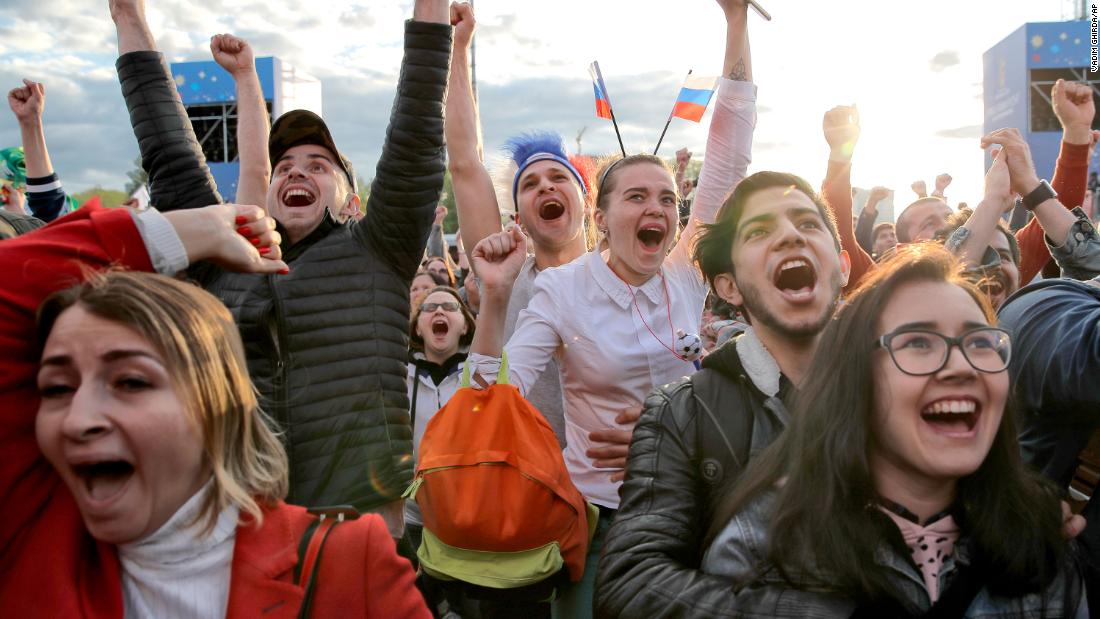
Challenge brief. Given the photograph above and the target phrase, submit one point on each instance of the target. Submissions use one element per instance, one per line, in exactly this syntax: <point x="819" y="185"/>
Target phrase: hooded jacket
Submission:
<point x="326" y="344"/>
<point x="693" y="439"/>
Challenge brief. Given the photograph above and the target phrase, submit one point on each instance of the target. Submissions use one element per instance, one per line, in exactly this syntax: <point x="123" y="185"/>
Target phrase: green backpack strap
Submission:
<point x="502" y="375"/>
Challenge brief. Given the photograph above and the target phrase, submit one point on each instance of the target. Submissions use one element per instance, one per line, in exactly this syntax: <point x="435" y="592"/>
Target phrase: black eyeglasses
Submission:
<point x="919" y="352"/>
<point x="448" y="306"/>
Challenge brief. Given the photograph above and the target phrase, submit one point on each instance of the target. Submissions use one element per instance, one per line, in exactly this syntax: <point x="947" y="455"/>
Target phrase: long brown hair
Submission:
<point x="821" y="517"/>
<point x="202" y="350"/>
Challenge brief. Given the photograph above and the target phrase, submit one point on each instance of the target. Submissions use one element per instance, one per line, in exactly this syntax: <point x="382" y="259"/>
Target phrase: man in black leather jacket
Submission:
<point x="775" y="254"/>
<point x="326" y="343"/>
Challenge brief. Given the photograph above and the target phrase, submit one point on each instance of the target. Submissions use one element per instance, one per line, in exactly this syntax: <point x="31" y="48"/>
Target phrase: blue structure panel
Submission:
<point x="1057" y="45"/>
<point x="205" y="82"/>
<point x="226" y="176"/>
<point x="1005" y="85"/>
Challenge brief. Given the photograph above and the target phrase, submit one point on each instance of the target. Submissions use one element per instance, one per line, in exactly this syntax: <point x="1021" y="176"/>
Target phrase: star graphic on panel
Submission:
<point x="1063" y="36"/>
<point x="1037" y="41"/>
<point x="202" y="75"/>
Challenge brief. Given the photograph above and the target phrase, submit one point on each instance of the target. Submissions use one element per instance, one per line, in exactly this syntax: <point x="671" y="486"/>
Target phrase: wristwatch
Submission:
<point x="1040" y="194"/>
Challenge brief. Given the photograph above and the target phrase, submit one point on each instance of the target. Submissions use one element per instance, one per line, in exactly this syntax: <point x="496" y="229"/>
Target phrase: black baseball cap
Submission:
<point x="298" y="127"/>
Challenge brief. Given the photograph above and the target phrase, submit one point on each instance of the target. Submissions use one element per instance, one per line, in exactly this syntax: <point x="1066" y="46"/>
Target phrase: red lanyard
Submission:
<point x="668" y="306"/>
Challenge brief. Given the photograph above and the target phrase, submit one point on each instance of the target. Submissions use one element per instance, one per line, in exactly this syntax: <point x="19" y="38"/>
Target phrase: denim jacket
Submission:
<point x="739" y="553"/>
<point x="1079" y="256"/>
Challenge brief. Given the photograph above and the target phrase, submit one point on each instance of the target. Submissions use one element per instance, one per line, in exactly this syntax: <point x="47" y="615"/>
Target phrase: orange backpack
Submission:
<point x="498" y="506"/>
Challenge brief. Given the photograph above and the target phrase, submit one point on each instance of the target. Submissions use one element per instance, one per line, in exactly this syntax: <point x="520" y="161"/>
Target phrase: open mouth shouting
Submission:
<point x="551" y="209"/>
<point x="102" y="479"/>
<point x="954" y="416"/>
<point x="796" y="280"/>
<point x="297" y="195"/>
<point x="440" y="327"/>
<point x="652" y="237"/>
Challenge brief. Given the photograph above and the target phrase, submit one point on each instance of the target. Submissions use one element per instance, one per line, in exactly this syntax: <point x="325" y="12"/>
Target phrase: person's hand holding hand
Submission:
<point x="1018" y="157"/>
<point x="998" y="186"/>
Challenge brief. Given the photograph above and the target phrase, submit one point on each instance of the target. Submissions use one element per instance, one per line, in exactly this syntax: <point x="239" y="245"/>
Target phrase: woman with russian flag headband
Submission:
<point x="610" y="319"/>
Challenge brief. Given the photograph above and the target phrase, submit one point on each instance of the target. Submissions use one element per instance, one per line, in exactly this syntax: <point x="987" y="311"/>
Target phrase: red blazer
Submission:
<point x="50" y="566"/>
<point x="360" y="574"/>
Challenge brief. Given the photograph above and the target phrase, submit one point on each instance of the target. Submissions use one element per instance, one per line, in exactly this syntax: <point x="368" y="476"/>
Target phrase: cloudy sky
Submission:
<point x="914" y="69"/>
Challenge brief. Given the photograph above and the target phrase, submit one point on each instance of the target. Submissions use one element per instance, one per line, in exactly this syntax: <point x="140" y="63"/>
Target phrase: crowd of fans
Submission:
<point x="767" y="404"/>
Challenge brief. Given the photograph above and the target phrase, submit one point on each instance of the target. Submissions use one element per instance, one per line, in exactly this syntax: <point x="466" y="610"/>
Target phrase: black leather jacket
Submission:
<point x="689" y="445"/>
<point x="326" y="344"/>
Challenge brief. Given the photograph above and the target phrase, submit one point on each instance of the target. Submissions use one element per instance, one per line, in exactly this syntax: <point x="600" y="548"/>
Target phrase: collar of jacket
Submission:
<point x="436" y="370"/>
<point x="745" y="353"/>
<point x="263" y="558"/>
<point x="291" y="252"/>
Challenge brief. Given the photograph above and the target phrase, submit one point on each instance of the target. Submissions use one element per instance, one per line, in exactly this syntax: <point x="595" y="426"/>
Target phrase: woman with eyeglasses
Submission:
<point x="898" y="487"/>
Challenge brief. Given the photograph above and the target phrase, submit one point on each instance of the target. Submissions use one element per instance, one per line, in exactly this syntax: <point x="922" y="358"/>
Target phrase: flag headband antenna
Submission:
<point x="601" y="89"/>
<point x="618" y="135"/>
<point x="667" y="123"/>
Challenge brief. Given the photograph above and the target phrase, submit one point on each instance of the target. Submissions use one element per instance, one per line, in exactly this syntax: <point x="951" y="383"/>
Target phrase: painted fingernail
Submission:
<point x="255" y="241"/>
<point x="264" y="250"/>
<point x="245" y="230"/>
<point x="241" y="219"/>
<point x="284" y="272"/>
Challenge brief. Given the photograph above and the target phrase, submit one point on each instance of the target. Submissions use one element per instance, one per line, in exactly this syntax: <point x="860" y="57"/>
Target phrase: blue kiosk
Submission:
<point x="1019" y="73"/>
<point x="209" y="95"/>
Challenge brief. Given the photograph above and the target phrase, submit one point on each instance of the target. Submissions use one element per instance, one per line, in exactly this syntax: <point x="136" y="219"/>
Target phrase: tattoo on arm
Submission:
<point x="738" y="72"/>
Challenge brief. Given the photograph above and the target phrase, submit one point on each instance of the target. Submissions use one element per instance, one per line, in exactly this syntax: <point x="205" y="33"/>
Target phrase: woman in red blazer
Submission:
<point x="139" y="476"/>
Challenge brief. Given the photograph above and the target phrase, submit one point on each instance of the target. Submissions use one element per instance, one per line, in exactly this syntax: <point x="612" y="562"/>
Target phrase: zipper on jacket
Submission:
<point x="278" y="338"/>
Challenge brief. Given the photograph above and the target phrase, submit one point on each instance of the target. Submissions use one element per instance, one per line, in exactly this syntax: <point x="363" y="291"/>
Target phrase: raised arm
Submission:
<point x="170" y="152"/>
<point x="45" y="197"/>
<point x="235" y="55"/>
<point x="865" y="227"/>
<point x="475" y="196"/>
<point x="497" y="260"/>
<point x="1074" y="107"/>
<point x="409" y="177"/>
<point x="841" y="128"/>
<point x="729" y="140"/>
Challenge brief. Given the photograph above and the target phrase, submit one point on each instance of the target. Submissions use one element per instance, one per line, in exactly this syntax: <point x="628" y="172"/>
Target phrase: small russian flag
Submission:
<point x="603" y="102"/>
<point x="694" y="97"/>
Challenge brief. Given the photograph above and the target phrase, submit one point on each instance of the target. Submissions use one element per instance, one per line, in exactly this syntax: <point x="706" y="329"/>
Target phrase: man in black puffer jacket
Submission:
<point x="772" y="241"/>
<point x="326" y="343"/>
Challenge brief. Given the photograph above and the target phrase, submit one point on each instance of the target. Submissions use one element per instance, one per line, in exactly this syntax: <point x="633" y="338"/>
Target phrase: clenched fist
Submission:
<point x="841" y="128"/>
<point x="233" y="54"/>
<point x="1074" y="107"/>
<point x="27" y="102"/>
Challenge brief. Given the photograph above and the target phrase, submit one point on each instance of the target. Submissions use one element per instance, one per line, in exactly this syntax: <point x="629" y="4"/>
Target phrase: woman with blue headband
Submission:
<point x="613" y="320"/>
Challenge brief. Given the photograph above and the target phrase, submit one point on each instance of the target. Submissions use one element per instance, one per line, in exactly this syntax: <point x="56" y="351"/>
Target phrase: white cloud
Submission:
<point x="531" y="65"/>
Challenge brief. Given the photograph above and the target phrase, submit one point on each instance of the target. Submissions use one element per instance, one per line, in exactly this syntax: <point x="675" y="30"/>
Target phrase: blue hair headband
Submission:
<point x="530" y="148"/>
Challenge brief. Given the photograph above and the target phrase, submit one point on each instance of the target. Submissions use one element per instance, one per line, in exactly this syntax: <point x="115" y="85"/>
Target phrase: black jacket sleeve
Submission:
<point x="170" y="152"/>
<point x="46" y="204"/>
<point x="409" y="177"/>
<point x="865" y="227"/>
<point x="650" y="561"/>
